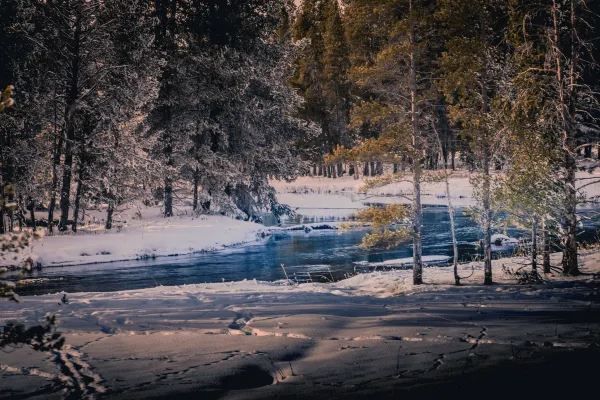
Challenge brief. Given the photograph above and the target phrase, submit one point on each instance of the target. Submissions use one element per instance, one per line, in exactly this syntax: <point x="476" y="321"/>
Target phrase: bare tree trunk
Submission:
<point x="565" y="93"/>
<point x="31" y="207"/>
<point x="546" y="247"/>
<point x="534" y="245"/>
<point x="417" y="207"/>
<point x="196" y="183"/>
<point x="451" y="215"/>
<point x="487" y="183"/>
<point x="73" y="94"/>
<point x="570" y="261"/>
<point x="487" y="219"/>
<point x="57" y="151"/>
<point x="168" y="197"/>
<point x="77" y="202"/>
<point x="109" y="215"/>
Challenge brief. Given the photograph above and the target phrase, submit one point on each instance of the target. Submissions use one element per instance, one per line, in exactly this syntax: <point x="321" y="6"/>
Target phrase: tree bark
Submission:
<point x="71" y="101"/>
<point x="566" y="86"/>
<point x="534" y="245"/>
<point x="196" y="183"/>
<point x="57" y="151"/>
<point x="546" y="247"/>
<point x="451" y="216"/>
<point x="417" y="206"/>
<point x="109" y="215"/>
<point x="570" y="261"/>
<point x="31" y="207"/>
<point x="168" y="197"/>
<point x="487" y="218"/>
<point x="78" y="193"/>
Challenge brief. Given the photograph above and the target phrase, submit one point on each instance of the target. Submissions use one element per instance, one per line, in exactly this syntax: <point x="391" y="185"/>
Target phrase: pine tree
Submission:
<point x="469" y="69"/>
<point x="322" y="73"/>
<point x="398" y="103"/>
<point x="554" y="55"/>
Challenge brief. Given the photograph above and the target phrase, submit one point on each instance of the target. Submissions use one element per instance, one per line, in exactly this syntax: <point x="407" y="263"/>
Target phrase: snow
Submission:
<point x="407" y="261"/>
<point x="319" y="197"/>
<point x="148" y="238"/>
<point x="265" y="340"/>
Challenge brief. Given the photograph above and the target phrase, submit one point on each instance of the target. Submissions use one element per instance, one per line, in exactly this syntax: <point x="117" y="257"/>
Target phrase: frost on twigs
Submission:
<point x="386" y="230"/>
<point x="13" y="258"/>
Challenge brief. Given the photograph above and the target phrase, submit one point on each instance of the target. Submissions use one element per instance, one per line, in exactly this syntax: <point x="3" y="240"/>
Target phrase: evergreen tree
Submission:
<point x="399" y="102"/>
<point x="553" y="88"/>
<point x="322" y="73"/>
<point x="469" y="78"/>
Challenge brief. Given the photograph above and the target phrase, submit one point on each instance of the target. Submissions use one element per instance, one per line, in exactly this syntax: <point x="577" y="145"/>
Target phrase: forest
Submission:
<point x="207" y="108"/>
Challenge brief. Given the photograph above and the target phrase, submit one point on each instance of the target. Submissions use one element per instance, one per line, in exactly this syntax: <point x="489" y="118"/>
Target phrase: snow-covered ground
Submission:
<point x="148" y="237"/>
<point x="141" y="232"/>
<point x="318" y="196"/>
<point x="368" y="335"/>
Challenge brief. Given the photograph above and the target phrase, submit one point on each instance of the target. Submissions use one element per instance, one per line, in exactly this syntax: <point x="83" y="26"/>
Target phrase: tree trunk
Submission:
<point x="487" y="217"/>
<point x="366" y="169"/>
<point x="546" y="247"/>
<point x="196" y="183"/>
<point x="416" y="147"/>
<point x="168" y="197"/>
<point x="109" y="215"/>
<point x="77" y="202"/>
<point x="566" y="86"/>
<point x="570" y="261"/>
<point x="57" y="151"/>
<point x="534" y="245"/>
<point x="73" y="94"/>
<point x="451" y="216"/>
<point x="31" y="207"/>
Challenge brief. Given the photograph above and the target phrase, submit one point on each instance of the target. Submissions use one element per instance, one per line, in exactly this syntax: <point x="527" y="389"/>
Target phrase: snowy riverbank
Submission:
<point x="318" y="197"/>
<point x="146" y="238"/>
<point x="262" y="340"/>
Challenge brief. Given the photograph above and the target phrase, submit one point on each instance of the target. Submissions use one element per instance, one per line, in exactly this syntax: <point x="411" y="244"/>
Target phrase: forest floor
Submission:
<point x="371" y="335"/>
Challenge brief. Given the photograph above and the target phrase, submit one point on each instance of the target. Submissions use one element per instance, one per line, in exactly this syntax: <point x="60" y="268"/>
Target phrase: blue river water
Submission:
<point x="263" y="260"/>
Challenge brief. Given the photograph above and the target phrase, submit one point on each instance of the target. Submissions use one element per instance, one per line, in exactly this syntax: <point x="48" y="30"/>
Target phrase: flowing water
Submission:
<point x="262" y="261"/>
